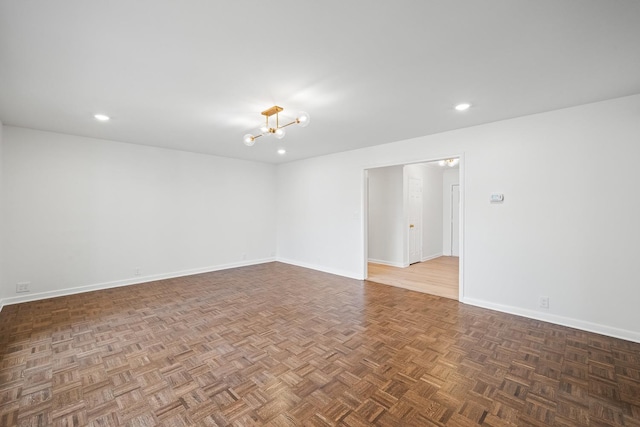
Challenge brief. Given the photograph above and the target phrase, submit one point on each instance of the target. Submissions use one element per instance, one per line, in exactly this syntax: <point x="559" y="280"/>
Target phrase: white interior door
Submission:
<point x="455" y="220"/>
<point x="415" y="220"/>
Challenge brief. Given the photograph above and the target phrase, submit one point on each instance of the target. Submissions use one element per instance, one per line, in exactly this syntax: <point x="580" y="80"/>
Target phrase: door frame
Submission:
<point x="451" y="219"/>
<point x="406" y="195"/>
<point x="364" y="199"/>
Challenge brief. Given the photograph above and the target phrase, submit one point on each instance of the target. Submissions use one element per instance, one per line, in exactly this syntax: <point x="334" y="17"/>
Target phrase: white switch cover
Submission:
<point x="22" y="287"/>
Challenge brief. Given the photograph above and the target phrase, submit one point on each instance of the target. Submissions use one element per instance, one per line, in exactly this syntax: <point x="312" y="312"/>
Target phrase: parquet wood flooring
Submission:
<point x="438" y="276"/>
<point x="279" y="345"/>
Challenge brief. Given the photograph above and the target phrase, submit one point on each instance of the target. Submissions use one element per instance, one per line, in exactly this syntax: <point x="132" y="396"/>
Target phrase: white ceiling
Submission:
<point x="195" y="75"/>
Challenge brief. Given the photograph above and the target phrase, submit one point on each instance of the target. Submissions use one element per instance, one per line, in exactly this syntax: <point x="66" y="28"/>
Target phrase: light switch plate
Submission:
<point x="496" y="198"/>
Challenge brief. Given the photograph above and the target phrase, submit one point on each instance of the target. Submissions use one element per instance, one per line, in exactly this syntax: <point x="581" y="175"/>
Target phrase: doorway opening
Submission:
<point x="413" y="228"/>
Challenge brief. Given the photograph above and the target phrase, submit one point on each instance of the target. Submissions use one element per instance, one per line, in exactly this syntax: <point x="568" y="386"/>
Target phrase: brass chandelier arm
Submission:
<point x="268" y="113"/>
<point x="278" y="131"/>
<point x="288" y="124"/>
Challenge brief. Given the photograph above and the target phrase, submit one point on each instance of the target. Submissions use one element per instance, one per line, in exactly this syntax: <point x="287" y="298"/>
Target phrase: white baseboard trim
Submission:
<point x="127" y="282"/>
<point x="597" y="328"/>
<point x="427" y="258"/>
<point x="337" y="272"/>
<point x="389" y="263"/>
<point x="400" y="264"/>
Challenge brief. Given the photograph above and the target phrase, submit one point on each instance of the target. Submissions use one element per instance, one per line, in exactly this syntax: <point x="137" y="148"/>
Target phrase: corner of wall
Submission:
<point x="1" y="217"/>
<point x="337" y="272"/>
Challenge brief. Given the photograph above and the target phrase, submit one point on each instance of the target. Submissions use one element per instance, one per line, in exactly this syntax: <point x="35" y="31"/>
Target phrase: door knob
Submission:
<point x="410" y="225"/>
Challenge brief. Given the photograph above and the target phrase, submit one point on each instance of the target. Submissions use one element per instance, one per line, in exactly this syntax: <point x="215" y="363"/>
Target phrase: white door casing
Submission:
<point x="415" y="220"/>
<point x="455" y="220"/>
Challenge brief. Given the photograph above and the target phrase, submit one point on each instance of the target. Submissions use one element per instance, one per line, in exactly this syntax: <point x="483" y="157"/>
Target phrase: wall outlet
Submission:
<point x="544" y="303"/>
<point x="22" y="287"/>
<point x="136" y="272"/>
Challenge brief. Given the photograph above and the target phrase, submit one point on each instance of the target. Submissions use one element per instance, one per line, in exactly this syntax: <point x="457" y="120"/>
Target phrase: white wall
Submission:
<point x="82" y="213"/>
<point x="568" y="228"/>
<point x="449" y="178"/>
<point x="2" y="284"/>
<point x="386" y="216"/>
<point x="320" y="214"/>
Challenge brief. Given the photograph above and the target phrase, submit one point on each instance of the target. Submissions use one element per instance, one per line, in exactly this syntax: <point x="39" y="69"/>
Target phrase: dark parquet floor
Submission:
<point x="279" y="345"/>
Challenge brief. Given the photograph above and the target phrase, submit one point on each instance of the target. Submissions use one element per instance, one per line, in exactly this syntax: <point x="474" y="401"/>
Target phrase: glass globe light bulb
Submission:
<point x="249" y="140"/>
<point x="303" y="119"/>
<point x="279" y="133"/>
<point x="264" y="128"/>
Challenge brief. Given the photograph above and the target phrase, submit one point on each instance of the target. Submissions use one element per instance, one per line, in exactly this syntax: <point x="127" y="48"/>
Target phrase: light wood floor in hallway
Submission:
<point x="437" y="276"/>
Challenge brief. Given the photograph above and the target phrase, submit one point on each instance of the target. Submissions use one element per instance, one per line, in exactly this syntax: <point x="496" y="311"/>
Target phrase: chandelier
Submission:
<point x="449" y="162"/>
<point x="278" y="131"/>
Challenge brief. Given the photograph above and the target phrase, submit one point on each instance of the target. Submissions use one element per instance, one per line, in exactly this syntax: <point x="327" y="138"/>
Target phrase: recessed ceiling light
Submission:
<point x="102" y="117"/>
<point x="282" y="151"/>
<point x="462" y="107"/>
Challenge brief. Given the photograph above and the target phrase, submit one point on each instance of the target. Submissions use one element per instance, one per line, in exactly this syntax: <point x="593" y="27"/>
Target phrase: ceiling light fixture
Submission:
<point x="101" y="117"/>
<point x="302" y="120"/>
<point x="449" y="162"/>
<point x="282" y="151"/>
<point x="463" y="107"/>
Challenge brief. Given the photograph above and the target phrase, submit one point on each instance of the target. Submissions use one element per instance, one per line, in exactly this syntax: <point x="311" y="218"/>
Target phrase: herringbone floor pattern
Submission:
<point x="280" y="345"/>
